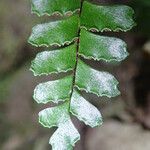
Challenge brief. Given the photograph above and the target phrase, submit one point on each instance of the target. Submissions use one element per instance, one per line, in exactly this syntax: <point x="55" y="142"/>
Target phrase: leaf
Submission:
<point x="56" y="61"/>
<point x="116" y="17"/>
<point x="74" y="41"/>
<point x="96" y="82"/>
<point x="53" y="91"/>
<point x="50" y="7"/>
<point x="85" y="111"/>
<point x="63" y="31"/>
<point x="66" y="135"/>
<point x="97" y="47"/>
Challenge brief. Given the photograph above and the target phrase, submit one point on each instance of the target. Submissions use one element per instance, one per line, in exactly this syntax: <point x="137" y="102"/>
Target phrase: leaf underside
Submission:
<point x="76" y="42"/>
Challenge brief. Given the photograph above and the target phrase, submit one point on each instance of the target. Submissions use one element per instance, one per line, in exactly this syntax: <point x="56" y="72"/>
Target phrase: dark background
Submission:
<point x="126" y="118"/>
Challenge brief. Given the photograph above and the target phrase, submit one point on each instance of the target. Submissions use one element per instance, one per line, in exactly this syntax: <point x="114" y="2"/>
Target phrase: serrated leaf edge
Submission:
<point x="99" y="95"/>
<point x="55" y="13"/>
<point x="106" y="60"/>
<point x="53" y="44"/>
<point x="93" y="29"/>
<point x="54" y="72"/>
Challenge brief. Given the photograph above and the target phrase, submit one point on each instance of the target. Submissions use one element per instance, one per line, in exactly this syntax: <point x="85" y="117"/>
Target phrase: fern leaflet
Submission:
<point x="76" y="41"/>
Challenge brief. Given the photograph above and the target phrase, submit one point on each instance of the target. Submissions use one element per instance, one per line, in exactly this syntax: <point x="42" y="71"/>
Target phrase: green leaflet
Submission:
<point x="117" y="17"/>
<point x="53" y="91"/>
<point x="49" y="61"/>
<point x="55" y="33"/>
<point x="85" y="111"/>
<point x="66" y="135"/>
<point x="50" y="117"/>
<point x="50" y="7"/>
<point x="89" y="46"/>
<point x="97" y="47"/>
<point x="96" y="82"/>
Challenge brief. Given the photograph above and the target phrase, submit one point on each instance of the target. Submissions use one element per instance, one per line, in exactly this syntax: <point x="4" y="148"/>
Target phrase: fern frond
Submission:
<point x="75" y="40"/>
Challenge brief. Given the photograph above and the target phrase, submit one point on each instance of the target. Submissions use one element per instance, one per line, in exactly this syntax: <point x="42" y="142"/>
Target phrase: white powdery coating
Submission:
<point x="40" y="29"/>
<point x="102" y="47"/>
<point x="42" y="92"/>
<point x="52" y="91"/>
<point x="85" y="111"/>
<point x="96" y="82"/>
<point x="120" y="16"/>
<point x="117" y="48"/>
<point x="49" y="57"/>
<point x="103" y="79"/>
<point x="40" y="4"/>
<point x="49" y="7"/>
<point x="65" y="137"/>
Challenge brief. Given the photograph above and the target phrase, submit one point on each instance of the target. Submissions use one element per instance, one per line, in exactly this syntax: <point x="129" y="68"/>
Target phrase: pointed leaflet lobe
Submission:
<point x="66" y="135"/>
<point x="55" y="33"/>
<point x="117" y="17"/>
<point x="53" y="91"/>
<point x="97" y="47"/>
<point x="56" y="61"/>
<point x="85" y="111"/>
<point x="96" y="82"/>
<point x="49" y="7"/>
